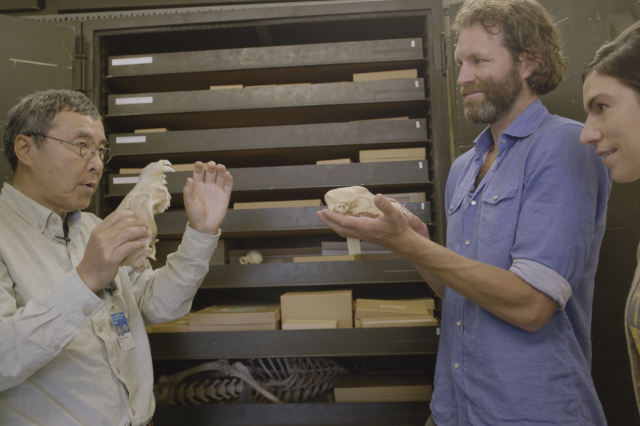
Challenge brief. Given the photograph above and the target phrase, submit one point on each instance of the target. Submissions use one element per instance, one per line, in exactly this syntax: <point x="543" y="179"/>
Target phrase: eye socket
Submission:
<point x="603" y="107"/>
<point x="479" y="61"/>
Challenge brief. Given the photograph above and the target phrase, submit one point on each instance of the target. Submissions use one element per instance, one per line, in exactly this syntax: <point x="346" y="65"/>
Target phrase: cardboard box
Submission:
<point x="262" y="85"/>
<point x="389" y="154"/>
<point x="429" y="303"/>
<point x="166" y="247"/>
<point x="383" y="388"/>
<point x="221" y="254"/>
<point x="342" y="258"/>
<point x="370" y="308"/>
<point x="319" y="305"/>
<point x="156" y="130"/>
<point x="234" y="327"/>
<point x="385" y="75"/>
<point x="337" y="248"/>
<point x="230" y="86"/>
<point x="407" y="321"/>
<point x="277" y="204"/>
<point x="181" y="325"/>
<point x="302" y="324"/>
<point x="176" y="167"/>
<point x="409" y="197"/>
<point x="389" y="160"/>
<point x="383" y="119"/>
<point x="149" y="329"/>
<point x="293" y="84"/>
<point x="236" y="314"/>
<point x="337" y="161"/>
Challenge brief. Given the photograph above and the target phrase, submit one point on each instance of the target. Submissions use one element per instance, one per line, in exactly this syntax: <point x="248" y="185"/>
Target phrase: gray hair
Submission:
<point x="35" y="113"/>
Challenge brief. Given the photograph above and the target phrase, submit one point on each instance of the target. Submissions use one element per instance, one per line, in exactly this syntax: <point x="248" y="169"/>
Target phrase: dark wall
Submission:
<point x="585" y="26"/>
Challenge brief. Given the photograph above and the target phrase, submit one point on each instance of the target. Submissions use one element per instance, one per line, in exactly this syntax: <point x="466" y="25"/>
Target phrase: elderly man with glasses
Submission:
<point x="61" y="360"/>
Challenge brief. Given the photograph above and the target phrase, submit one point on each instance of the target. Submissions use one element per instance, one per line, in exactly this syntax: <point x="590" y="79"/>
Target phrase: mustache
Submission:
<point x="470" y="89"/>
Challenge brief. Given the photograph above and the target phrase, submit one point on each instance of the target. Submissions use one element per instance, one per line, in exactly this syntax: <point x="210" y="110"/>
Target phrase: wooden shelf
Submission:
<point x="295" y="414"/>
<point x="295" y="343"/>
<point x="309" y="63"/>
<point x="262" y="106"/>
<point x="263" y="222"/>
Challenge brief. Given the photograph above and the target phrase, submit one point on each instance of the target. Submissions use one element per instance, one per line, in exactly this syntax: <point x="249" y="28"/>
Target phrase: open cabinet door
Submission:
<point x="33" y="56"/>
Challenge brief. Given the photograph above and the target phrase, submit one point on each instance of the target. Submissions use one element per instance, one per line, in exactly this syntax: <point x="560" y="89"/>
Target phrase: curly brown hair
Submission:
<point x="526" y="27"/>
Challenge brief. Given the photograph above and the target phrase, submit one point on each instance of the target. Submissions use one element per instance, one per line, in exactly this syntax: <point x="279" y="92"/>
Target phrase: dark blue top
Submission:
<point x="539" y="212"/>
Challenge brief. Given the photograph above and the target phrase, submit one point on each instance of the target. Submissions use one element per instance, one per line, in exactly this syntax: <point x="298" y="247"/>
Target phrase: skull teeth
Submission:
<point x="166" y="162"/>
<point x="168" y="169"/>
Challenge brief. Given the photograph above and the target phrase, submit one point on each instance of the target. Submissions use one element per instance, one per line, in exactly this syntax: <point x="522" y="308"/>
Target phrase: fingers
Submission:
<point x="211" y="172"/>
<point x="124" y="250"/>
<point x="198" y="172"/>
<point x="345" y="226"/>
<point x="188" y="189"/>
<point x="228" y="183"/>
<point x="221" y="171"/>
<point x="385" y="207"/>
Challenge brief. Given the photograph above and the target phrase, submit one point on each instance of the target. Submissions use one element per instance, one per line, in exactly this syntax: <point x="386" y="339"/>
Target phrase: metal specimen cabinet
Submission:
<point x="298" y="105"/>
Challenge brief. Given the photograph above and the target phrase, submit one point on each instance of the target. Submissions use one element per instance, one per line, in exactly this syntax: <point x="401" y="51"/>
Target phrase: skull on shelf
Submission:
<point x="252" y="258"/>
<point x="148" y="198"/>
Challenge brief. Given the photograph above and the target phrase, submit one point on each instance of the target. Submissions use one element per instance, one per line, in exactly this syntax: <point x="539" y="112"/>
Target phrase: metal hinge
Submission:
<point x="443" y="52"/>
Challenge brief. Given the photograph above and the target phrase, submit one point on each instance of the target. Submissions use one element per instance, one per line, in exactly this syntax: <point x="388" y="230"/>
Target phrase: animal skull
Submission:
<point x="354" y="200"/>
<point x="252" y="258"/>
<point x="148" y="198"/>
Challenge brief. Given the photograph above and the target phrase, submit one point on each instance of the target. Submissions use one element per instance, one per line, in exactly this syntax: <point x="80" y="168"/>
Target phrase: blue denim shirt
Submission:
<point x="539" y="212"/>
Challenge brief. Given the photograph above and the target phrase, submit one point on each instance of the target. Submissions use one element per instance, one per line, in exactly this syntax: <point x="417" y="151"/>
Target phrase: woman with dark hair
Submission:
<point x="612" y="101"/>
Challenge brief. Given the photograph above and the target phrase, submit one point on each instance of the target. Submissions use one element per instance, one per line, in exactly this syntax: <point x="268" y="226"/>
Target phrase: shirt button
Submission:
<point x="467" y="242"/>
<point x="495" y="197"/>
<point x="55" y="220"/>
<point x="456" y="365"/>
<point x="86" y="312"/>
<point x="118" y="370"/>
<point x="100" y="329"/>
<point x="451" y="208"/>
<point x="493" y="167"/>
<point x="503" y="140"/>
<point x="473" y="203"/>
<point x="57" y="348"/>
<point x="459" y="323"/>
<point x="133" y="411"/>
<point x="40" y="226"/>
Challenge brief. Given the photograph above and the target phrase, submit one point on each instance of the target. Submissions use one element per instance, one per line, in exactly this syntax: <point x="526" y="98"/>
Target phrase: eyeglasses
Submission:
<point x="88" y="150"/>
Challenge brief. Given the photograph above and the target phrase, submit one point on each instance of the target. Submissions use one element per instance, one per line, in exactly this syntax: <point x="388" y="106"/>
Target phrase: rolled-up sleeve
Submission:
<point x="564" y="196"/>
<point x="543" y="279"/>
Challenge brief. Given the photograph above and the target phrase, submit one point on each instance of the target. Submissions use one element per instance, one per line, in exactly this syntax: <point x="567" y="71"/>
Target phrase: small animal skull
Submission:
<point x="252" y="258"/>
<point x="354" y="200"/>
<point x="148" y="198"/>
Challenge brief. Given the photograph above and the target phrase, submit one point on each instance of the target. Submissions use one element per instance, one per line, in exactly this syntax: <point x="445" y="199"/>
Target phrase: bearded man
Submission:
<point x="526" y="212"/>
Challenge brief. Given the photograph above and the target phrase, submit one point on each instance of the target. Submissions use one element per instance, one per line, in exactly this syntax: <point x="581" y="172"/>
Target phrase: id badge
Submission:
<point x="121" y="327"/>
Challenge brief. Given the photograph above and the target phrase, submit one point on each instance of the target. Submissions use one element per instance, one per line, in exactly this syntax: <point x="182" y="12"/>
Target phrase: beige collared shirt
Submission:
<point x="60" y="361"/>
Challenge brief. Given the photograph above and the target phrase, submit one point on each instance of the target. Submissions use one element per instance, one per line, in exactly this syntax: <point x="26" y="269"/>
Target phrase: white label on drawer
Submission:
<point x="131" y="139"/>
<point x="417" y="84"/>
<point x="130" y="101"/>
<point x="121" y="180"/>
<point x="422" y="205"/>
<point x="132" y="61"/>
<point x="438" y="331"/>
<point x="413" y="43"/>
<point x="235" y="310"/>
<point x="393" y="306"/>
<point x="418" y="124"/>
<point x="420" y="164"/>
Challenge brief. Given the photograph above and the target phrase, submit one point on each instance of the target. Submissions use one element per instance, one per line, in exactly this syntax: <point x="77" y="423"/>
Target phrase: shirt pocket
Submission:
<point x="455" y="218"/>
<point x="498" y="210"/>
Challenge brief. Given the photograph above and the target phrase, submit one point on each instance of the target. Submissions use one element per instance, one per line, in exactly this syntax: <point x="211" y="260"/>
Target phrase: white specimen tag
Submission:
<point x="417" y="84"/>
<point x="413" y="43"/>
<point x="121" y="327"/>
<point x="132" y="61"/>
<point x="132" y="179"/>
<point x="420" y="164"/>
<point x="417" y="126"/>
<point x="133" y="101"/>
<point x="422" y="205"/>
<point x="131" y="139"/>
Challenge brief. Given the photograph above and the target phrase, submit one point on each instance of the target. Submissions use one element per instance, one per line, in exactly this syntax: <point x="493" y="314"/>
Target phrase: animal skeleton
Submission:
<point x="354" y="200"/>
<point x="282" y="380"/>
<point x="252" y="258"/>
<point x="148" y="198"/>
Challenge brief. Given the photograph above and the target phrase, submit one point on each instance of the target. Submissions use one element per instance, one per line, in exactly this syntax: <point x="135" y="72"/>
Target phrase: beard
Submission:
<point x="499" y="97"/>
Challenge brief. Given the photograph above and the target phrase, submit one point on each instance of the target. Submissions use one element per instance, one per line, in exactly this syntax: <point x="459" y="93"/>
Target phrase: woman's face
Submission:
<point x="613" y="125"/>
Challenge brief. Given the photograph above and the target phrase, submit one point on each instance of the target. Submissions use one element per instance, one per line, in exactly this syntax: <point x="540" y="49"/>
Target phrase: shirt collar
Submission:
<point x="35" y="214"/>
<point x="527" y="122"/>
